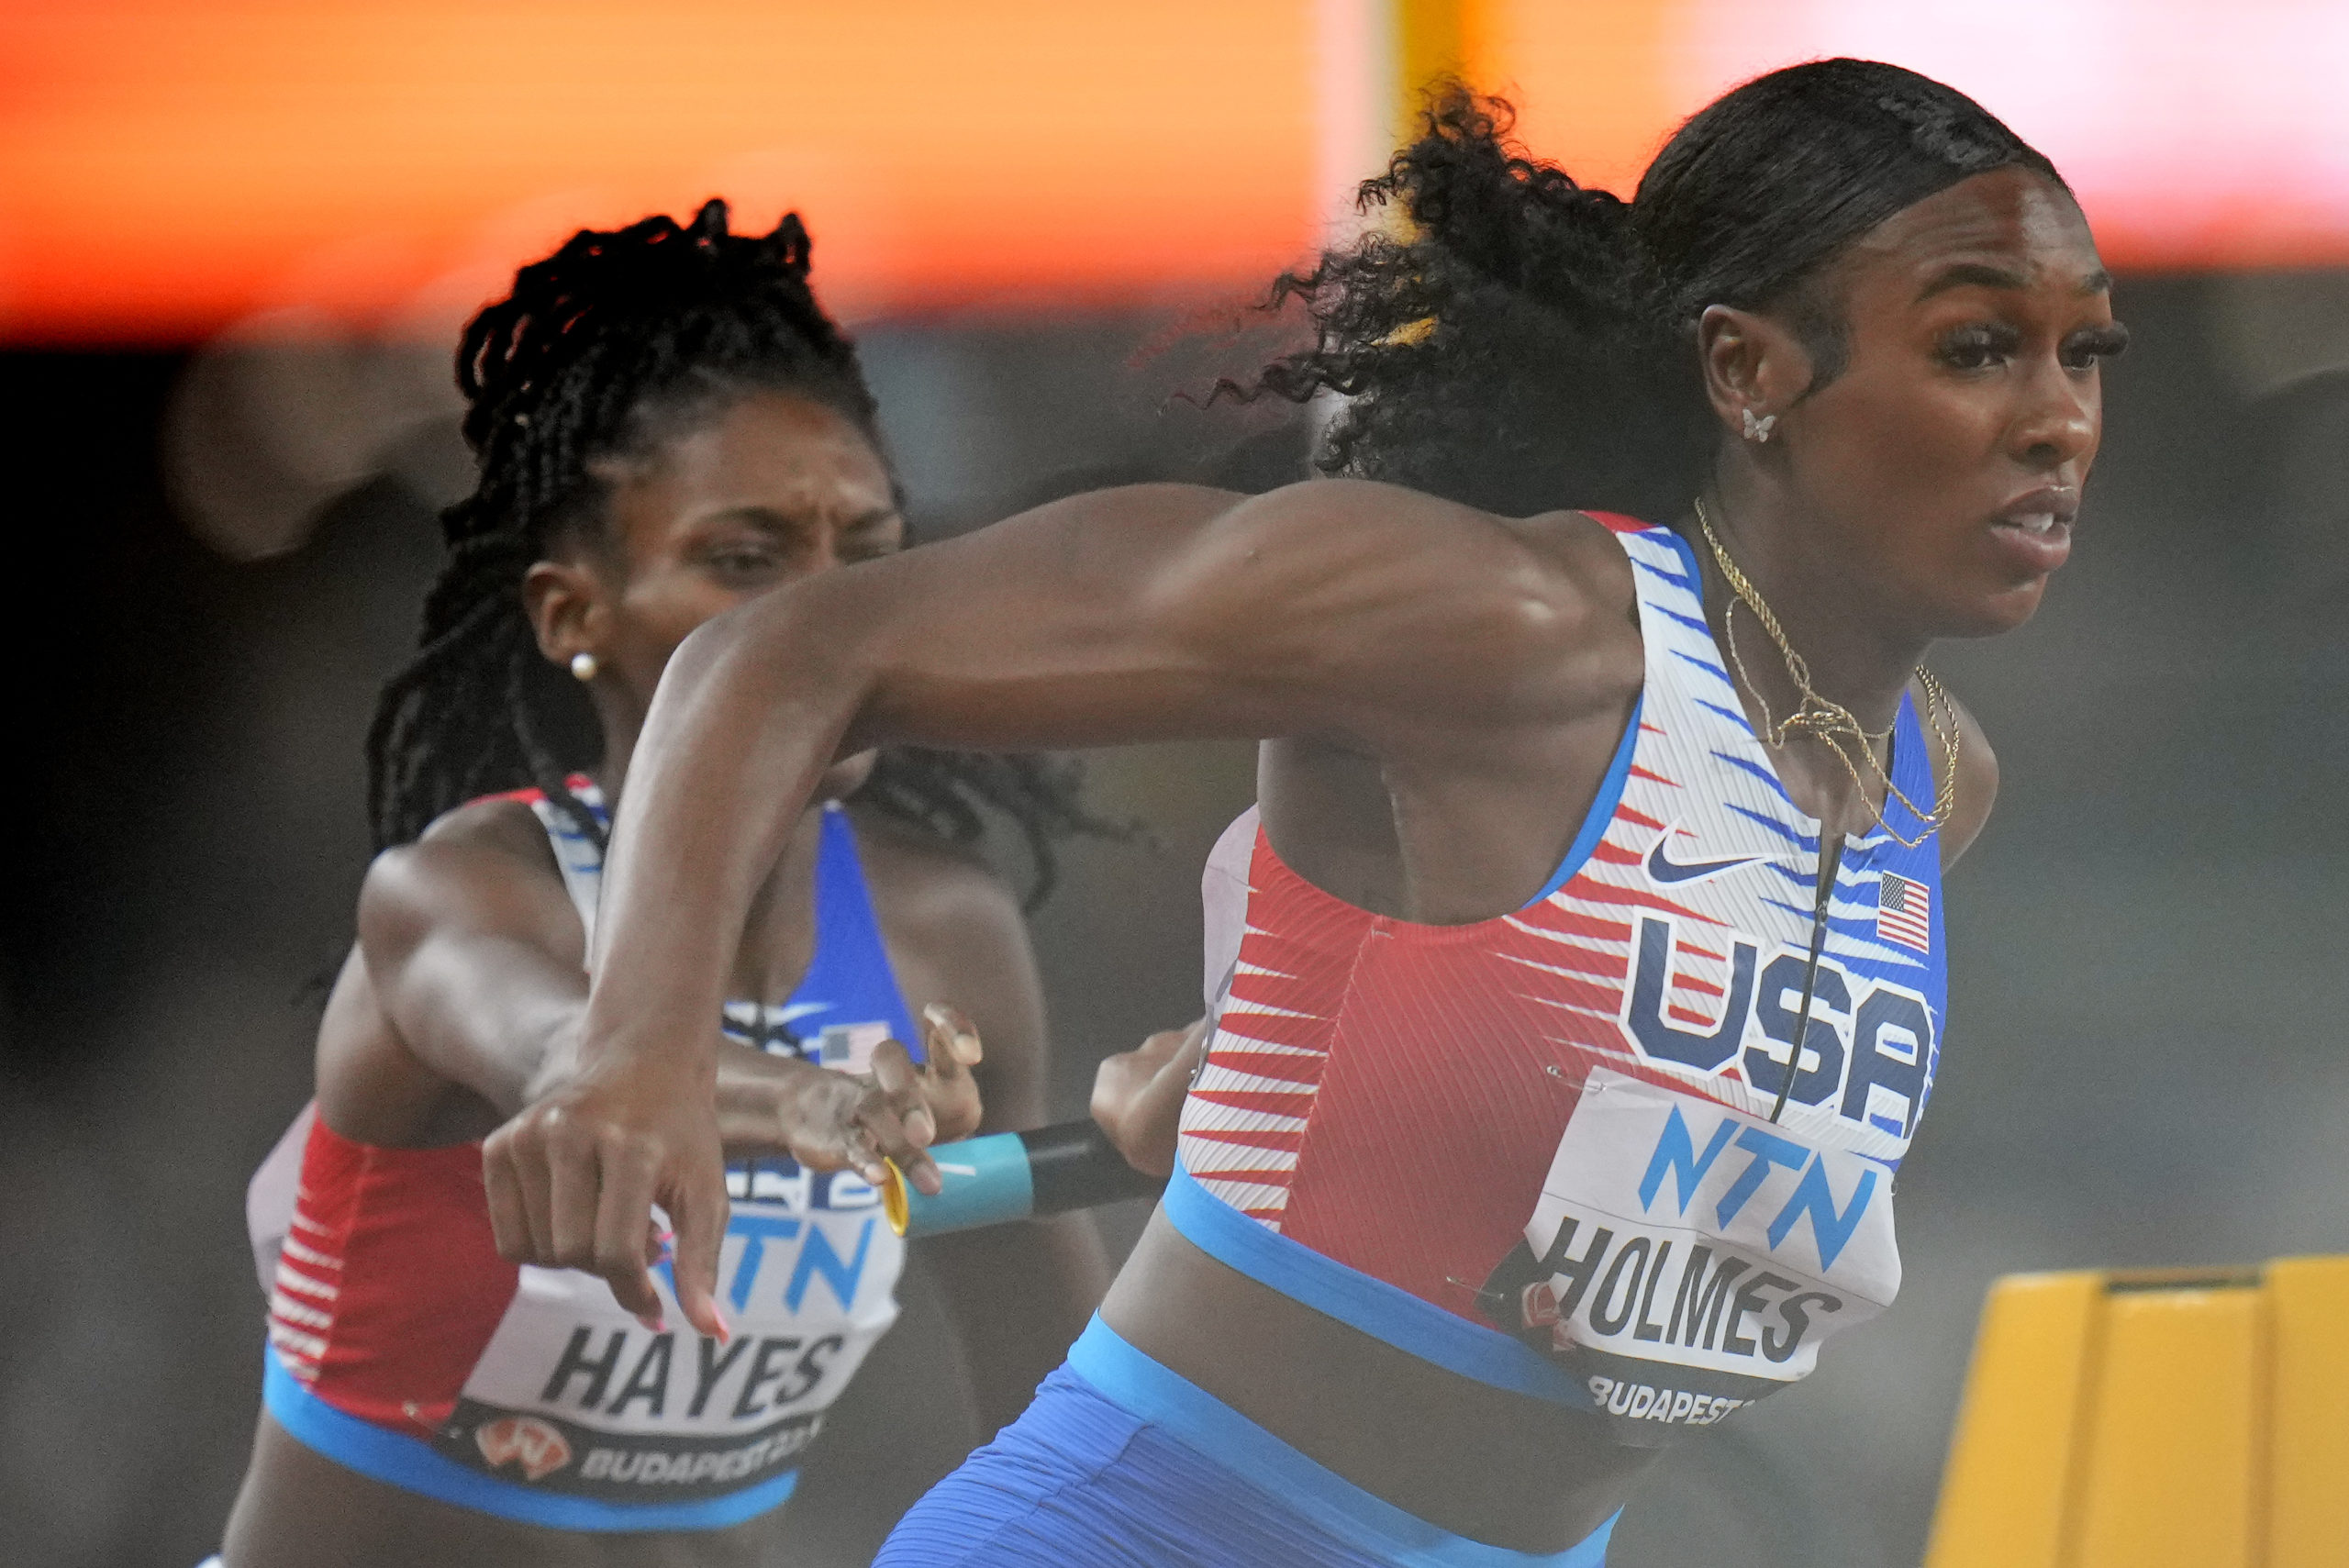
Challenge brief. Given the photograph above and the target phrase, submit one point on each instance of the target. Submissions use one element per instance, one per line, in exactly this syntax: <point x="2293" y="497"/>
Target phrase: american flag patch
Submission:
<point x="1904" y="911"/>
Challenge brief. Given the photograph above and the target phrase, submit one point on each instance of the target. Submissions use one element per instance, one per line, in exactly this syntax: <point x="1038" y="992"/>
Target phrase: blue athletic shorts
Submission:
<point x="1110" y="1467"/>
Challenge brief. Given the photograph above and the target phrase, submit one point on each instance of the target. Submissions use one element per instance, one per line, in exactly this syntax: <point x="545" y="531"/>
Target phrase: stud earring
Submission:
<point x="1758" y="430"/>
<point x="584" y="666"/>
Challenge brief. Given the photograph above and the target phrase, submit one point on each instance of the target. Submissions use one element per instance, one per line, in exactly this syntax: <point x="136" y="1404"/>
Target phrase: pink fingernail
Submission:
<point x="658" y="1324"/>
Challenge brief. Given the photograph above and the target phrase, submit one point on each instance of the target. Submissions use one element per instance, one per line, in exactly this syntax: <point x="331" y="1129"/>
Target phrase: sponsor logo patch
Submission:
<point x="1664" y="871"/>
<point x="538" y="1446"/>
<point x="619" y="1466"/>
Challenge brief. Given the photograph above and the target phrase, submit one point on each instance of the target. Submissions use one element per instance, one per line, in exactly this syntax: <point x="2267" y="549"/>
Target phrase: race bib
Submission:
<point x="572" y="1395"/>
<point x="1686" y="1259"/>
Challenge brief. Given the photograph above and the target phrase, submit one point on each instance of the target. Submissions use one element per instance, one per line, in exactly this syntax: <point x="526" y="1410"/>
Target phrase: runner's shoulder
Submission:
<point x="1589" y="554"/>
<point x="1443" y="578"/>
<point x="497" y="824"/>
<point x="495" y="846"/>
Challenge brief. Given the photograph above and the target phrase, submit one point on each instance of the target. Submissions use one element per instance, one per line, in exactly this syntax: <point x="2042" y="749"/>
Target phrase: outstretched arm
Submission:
<point x="463" y="1001"/>
<point x="1390" y="622"/>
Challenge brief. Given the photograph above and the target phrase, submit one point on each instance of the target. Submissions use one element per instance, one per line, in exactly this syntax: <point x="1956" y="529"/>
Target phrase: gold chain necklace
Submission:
<point x="1833" y="724"/>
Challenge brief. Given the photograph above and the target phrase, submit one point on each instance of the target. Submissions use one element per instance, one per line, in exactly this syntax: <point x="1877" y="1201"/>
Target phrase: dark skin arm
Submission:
<point x="1442" y="689"/>
<point x="463" y="999"/>
<point x="1473" y="661"/>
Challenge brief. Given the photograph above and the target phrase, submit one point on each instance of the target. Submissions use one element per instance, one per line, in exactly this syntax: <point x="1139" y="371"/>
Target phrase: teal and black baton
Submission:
<point x="1016" y="1175"/>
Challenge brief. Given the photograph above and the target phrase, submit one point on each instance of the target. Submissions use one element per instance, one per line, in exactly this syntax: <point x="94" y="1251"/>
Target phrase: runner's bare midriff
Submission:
<point x="1498" y="1467"/>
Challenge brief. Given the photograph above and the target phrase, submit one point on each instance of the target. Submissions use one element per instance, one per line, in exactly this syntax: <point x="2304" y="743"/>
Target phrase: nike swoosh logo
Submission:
<point x="1663" y="868"/>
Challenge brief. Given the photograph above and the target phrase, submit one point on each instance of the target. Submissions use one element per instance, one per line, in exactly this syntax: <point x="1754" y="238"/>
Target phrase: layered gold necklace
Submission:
<point x="1833" y="724"/>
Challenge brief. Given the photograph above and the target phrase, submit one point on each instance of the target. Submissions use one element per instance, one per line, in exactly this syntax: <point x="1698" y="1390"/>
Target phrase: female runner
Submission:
<point x="668" y="425"/>
<point x="1592" y="977"/>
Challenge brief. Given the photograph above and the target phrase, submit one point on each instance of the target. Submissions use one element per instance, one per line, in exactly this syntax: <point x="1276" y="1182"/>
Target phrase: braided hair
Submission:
<point x="603" y="348"/>
<point x="1523" y="344"/>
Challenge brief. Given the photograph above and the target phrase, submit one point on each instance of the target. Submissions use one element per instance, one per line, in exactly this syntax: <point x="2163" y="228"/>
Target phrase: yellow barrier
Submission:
<point x="2155" y="1420"/>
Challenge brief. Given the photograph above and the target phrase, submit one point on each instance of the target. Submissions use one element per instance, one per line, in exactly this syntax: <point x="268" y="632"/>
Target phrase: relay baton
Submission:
<point x="1015" y="1175"/>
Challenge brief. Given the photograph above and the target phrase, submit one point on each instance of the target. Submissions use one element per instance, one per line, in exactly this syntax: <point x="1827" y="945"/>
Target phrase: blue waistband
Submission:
<point x="1381" y="1310"/>
<point x="412" y="1465"/>
<point x="1144" y="1389"/>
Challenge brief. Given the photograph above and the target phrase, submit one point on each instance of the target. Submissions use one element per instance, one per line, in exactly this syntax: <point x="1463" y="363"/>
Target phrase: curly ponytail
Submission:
<point x="1522" y="344"/>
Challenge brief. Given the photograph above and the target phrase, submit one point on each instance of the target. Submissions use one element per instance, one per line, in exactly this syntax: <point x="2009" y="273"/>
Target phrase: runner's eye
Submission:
<point x="872" y="538"/>
<point x="1976" y="347"/>
<point x="737" y="561"/>
<point x="2084" y="350"/>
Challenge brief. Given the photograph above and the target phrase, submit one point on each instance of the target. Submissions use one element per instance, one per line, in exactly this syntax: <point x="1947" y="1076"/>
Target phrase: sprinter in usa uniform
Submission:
<point x="668" y="427"/>
<point x="1591" y="976"/>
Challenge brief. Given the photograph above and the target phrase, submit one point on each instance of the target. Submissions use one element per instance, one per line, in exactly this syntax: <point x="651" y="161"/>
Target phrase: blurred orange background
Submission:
<point x="168" y="168"/>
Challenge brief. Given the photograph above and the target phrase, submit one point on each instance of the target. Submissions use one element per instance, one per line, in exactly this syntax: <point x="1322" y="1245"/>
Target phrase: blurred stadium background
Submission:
<point x="236" y="241"/>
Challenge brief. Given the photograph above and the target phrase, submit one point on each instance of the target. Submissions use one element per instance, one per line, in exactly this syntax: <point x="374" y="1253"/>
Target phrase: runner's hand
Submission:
<point x="950" y="1049"/>
<point x="832" y="1121"/>
<point x="573" y="1177"/>
<point x="1138" y="1096"/>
